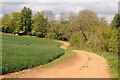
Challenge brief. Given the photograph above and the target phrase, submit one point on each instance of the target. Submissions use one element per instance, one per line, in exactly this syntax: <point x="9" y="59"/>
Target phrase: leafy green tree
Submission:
<point x="57" y="32"/>
<point x="25" y="22"/>
<point x="76" y="40"/>
<point x="116" y="21"/>
<point x="95" y="40"/>
<point x="6" y="24"/>
<point x="109" y="40"/>
<point x="54" y="34"/>
<point x="14" y="20"/>
<point x="0" y="24"/>
<point x="40" y="25"/>
<point x="10" y="22"/>
<point x="0" y="21"/>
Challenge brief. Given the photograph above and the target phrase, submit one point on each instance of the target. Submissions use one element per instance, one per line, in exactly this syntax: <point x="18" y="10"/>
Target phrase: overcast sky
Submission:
<point x="103" y="8"/>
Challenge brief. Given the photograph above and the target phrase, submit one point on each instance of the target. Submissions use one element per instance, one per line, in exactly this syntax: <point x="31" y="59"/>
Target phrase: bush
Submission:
<point x="7" y="29"/>
<point x="38" y="34"/>
<point x="33" y="33"/>
<point x="110" y="40"/>
<point x="76" y="40"/>
<point x="113" y="42"/>
<point x="29" y="33"/>
<point x="0" y="29"/>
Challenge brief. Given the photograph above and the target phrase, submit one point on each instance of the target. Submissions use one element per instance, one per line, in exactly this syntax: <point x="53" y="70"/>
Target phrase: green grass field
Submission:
<point x="22" y="52"/>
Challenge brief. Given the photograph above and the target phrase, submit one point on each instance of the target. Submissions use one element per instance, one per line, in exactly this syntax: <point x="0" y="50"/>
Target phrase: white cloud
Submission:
<point x="60" y="0"/>
<point x="0" y="8"/>
<point x="37" y="7"/>
<point x="0" y="15"/>
<point x="109" y="18"/>
<point x="101" y="7"/>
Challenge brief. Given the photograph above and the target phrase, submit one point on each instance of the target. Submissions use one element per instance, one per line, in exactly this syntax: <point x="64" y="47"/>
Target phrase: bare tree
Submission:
<point x="49" y="15"/>
<point x="83" y="22"/>
<point x="63" y="16"/>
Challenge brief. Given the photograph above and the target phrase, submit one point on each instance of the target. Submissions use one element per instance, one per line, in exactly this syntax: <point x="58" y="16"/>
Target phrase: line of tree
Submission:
<point x="84" y="29"/>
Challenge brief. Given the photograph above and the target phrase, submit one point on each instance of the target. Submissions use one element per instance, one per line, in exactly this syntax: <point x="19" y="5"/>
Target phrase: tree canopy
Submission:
<point x="84" y="29"/>
<point x="25" y="22"/>
<point x="116" y="21"/>
<point x="40" y="25"/>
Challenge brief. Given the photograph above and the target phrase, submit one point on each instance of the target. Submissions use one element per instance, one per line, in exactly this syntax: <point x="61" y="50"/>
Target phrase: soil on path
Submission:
<point x="81" y="65"/>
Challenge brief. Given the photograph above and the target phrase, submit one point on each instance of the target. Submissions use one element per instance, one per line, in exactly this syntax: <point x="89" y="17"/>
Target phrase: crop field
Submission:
<point x="22" y="52"/>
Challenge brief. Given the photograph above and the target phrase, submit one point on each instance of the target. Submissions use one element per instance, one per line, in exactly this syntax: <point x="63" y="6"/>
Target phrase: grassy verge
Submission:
<point x="23" y="52"/>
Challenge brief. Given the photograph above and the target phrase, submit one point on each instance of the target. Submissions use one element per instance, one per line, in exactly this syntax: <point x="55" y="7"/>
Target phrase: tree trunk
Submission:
<point x="85" y="37"/>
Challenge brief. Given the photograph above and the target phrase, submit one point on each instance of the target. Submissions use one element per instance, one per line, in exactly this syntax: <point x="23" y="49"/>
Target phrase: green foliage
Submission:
<point x="113" y="62"/>
<point x="102" y="40"/>
<point x="33" y="33"/>
<point x="55" y="34"/>
<point x="0" y="21"/>
<point x="59" y="31"/>
<point x="110" y="40"/>
<point x="83" y="23"/>
<point x="84" y="27"/>
<point x="25" y="21"/>
<point x="38" y="34"/>
<point x="10" y="22"/>
<point x="26" y="52"/>
<point x="29" y="33"/>
<point x="14" y="20"/>
<point x="40" y="25"/>
<point x="64" y="31"/>
<point x="84" y="30"/>
<point x="76" y="40"/>
<point x="6" y="20"/>
<point x="116" y="21"/>
<point x="100" y="37"/>
<point x="7" y="29"/>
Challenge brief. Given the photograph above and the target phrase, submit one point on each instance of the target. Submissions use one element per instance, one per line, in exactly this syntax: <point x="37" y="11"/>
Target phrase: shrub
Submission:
<point x="110" y="40"/>
<point x="76" y="40"/>
<point x="33" y="33"/>
<point x="38" y="34"/>
<point x="29" y="33"/>
<point x="113" y="42"/>
<point x="7" y="29"/>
